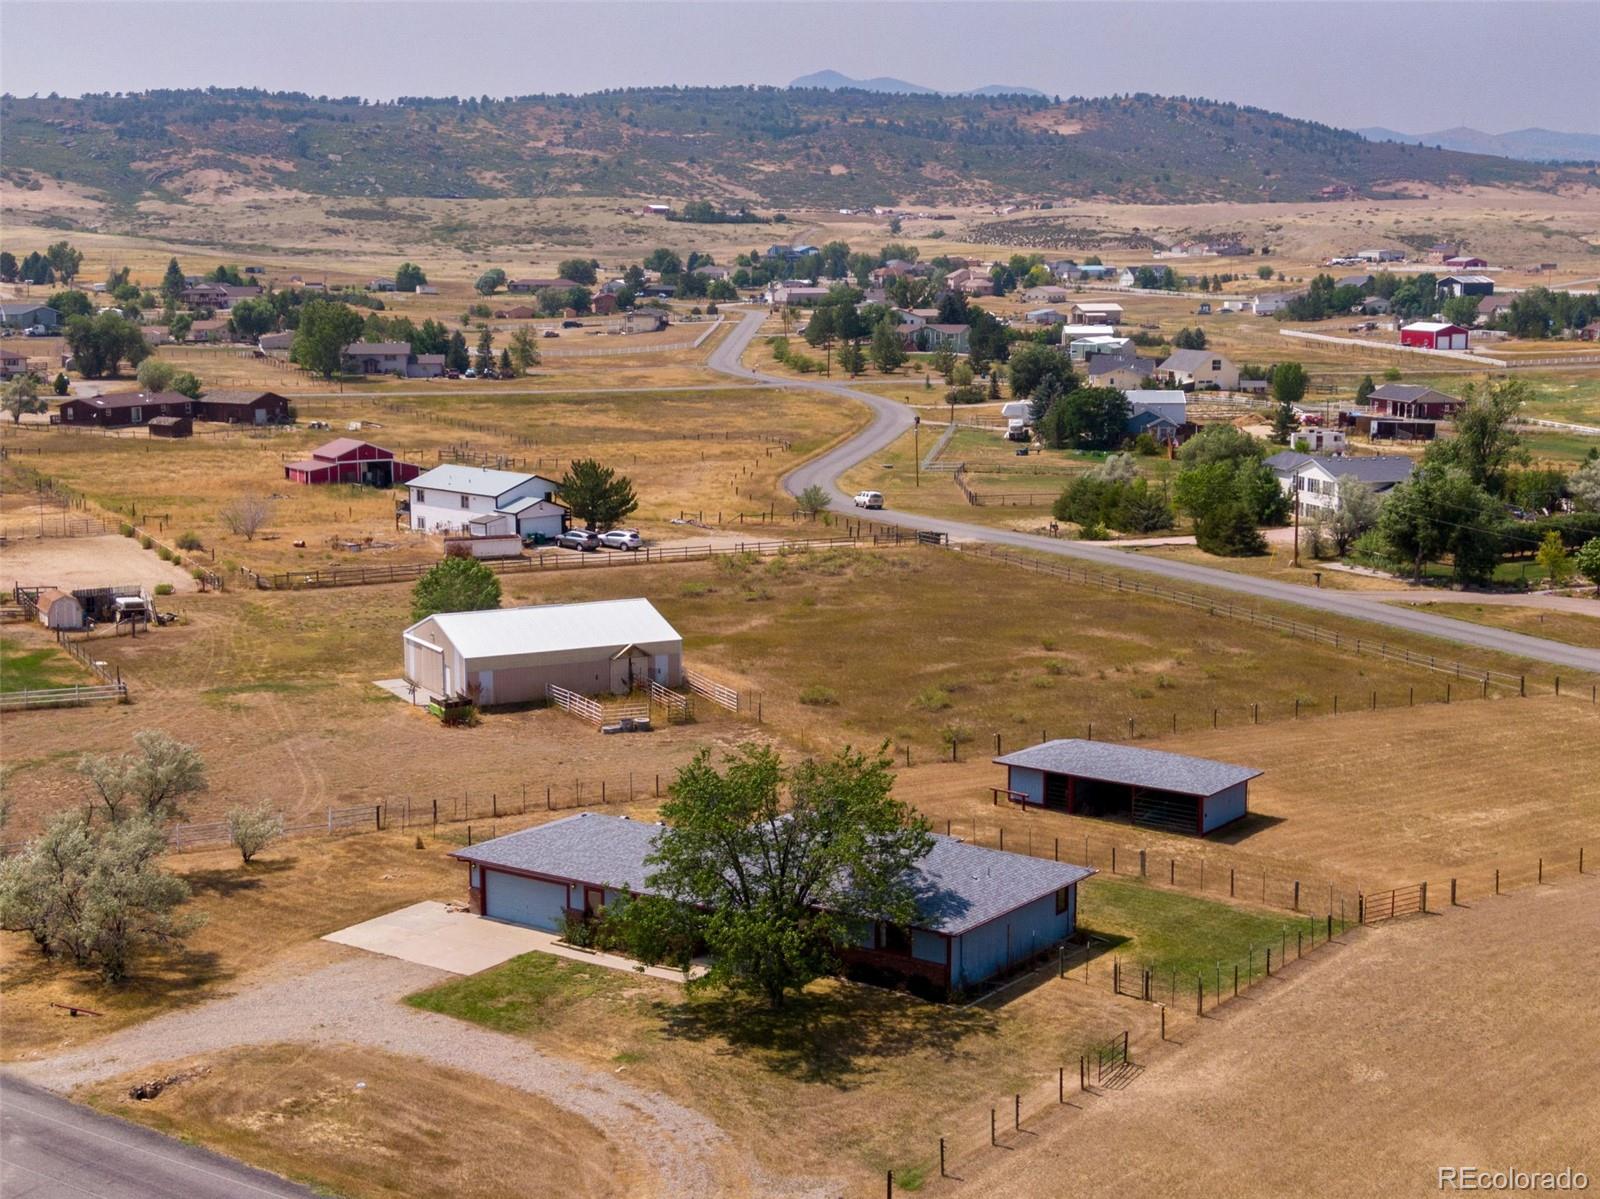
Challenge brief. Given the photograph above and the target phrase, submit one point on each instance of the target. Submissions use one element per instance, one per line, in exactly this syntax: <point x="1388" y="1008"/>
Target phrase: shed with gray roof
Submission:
<point x="980" y="912"/>
<point x="1151" y="787"/>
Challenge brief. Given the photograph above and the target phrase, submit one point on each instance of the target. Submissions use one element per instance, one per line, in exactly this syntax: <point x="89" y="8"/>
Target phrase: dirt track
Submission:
<point x="1445" y="1040"/>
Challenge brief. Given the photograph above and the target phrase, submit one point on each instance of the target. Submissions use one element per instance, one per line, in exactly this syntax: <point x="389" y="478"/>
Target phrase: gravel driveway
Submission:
<point x="355" y="1000"/>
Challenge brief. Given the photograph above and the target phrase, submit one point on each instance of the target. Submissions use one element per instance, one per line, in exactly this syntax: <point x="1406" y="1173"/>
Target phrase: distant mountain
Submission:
<point x="832" y="81"/>
<point x="1529" y="145"/>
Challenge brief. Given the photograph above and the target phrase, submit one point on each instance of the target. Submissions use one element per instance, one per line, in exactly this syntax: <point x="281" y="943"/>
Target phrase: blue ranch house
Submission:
<point x="980" y="912"/>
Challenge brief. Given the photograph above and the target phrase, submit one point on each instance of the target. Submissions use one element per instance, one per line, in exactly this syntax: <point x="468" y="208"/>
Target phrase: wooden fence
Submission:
<point x="64" y="697"/>
<point x="1397" y="901"/>
<point x="573" y="704"/>
<point x="718" y="693"/>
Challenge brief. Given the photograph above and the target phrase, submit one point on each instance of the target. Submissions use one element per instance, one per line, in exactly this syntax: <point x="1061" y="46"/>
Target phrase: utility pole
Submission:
<point x="916" y="451"/>
<point x="1296" y="496"/>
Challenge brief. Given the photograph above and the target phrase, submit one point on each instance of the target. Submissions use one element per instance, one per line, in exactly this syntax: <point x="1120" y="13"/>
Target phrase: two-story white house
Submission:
<point x="474" y="499"/>
<point x="1312" y="481"/>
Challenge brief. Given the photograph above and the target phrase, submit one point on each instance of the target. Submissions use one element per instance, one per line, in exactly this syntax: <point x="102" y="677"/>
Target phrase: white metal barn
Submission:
<point x="512" y="655"/>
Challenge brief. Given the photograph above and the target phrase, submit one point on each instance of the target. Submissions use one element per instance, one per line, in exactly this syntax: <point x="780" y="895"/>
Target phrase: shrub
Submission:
<point x="163" y="553"/>
<point x="125" y="529"/>
<point x="145" y="542"/>
<point x="818" y="696"/>
<point x="933" y="699"/>
<point x="197" y="572"/>
<point x="188" y="540"/>
<point x="164" y="589"/>
<point x="253" y="829"/>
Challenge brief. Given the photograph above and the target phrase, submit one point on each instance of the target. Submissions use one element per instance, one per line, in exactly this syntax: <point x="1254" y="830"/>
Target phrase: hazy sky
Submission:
<point x="1415" y="66"/>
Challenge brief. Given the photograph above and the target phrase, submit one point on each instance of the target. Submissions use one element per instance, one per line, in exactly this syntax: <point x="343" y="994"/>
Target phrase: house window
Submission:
<point x="1216" y="364"/>
<point x="1063" y="900"/>
<point x="422" y="496"/>
<point x="135" y="415"/>
<point x="466" y="502"/>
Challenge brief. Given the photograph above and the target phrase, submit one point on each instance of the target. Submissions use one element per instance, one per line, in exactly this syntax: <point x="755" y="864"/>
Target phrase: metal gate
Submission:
<point x="1386" y="905"/>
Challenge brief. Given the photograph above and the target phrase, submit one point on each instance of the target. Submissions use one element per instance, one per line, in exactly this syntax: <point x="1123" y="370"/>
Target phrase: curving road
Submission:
<point x="891" y="419"/>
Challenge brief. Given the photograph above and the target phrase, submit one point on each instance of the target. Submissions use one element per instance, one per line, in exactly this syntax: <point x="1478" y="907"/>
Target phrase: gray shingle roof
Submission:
<point x="1403" y="392"/>
<point x="1131" y="766"/>
<point x="959" y="886"/>
<point x="1383" y="471"/>
<point x="1192" y="360"/>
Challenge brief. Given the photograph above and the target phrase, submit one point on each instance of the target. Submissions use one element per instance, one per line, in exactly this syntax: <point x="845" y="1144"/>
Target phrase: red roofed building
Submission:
<point x="1432" y="335"/>
<point x="346" y="460"/>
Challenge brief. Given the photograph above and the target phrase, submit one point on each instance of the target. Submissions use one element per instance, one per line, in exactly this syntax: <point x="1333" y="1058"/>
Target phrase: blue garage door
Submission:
<point x="529" y="901"/>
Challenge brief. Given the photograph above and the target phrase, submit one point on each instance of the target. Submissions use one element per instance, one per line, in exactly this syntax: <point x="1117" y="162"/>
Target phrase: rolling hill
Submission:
<point x="771" y="147"/>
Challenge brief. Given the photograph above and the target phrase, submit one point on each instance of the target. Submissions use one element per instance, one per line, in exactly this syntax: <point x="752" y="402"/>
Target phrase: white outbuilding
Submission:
<point x="448" y="498"/>
<point x="512" y="655"/>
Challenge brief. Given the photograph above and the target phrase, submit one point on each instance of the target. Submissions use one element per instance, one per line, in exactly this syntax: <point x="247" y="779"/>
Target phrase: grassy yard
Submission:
<point x="367" y="1124"/>
<point x="25" y="665"/>
<point x="1174" y="935"/>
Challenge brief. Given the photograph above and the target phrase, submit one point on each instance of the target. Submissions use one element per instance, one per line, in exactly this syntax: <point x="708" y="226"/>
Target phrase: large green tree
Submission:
<point x="64" y="260"/>
<point x="1289" y="383"/>
<point x="100" y="344"/>
<point x="20" y="396"/>
<point x="1486" y="445"/>
<point x="172" y="281"/>
<point x="778" y="866"/>
<point x="885" y="350"/>
<point x="597" y="495"/>
<point x="250" y="318"/>
<point x="491" y="281"/>
<point x="1442" y="512"/>
<point x="1097" y="417"/>
<point x="1031" y="365"/>
<point x="326" y="328"/>
<point x="455" y="585"/>
<point x="408" y="276"/>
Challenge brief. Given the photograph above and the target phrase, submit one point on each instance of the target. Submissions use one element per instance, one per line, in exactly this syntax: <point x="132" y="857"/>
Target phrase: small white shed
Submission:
<point x="59" y="610"/>
<point x="512" y="655"/>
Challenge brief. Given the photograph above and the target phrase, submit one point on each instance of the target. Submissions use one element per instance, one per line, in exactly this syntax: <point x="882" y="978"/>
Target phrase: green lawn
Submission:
<point x="525" y="994"/>
<point x="25" y="668"/>
<point x="1166" y="931"/>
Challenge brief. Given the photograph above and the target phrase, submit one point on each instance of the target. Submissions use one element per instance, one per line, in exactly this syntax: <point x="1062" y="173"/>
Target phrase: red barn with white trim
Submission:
<point x="1434" y="335"/>
<point x="346" y="460"/>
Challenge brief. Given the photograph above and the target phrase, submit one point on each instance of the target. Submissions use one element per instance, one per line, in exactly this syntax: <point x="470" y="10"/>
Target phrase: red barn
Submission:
<point x="1432" y="335"/>
<point x="346" y="460"/>
<point x="1462" y="262"/>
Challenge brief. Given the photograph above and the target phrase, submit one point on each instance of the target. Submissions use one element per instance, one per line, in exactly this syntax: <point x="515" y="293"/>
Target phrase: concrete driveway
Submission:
<point x="430" y="934"/>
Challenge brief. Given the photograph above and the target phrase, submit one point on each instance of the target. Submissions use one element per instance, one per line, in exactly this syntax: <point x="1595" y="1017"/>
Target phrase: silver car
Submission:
<point x="621" y="539"/>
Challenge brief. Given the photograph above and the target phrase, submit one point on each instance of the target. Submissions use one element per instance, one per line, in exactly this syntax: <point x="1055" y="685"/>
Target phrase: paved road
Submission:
<point x="53" y="1149"/>
<point x="890" y="419"/>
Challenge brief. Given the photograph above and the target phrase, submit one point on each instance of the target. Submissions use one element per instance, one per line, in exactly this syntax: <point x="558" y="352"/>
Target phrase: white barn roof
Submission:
<point x="553" y="628"/>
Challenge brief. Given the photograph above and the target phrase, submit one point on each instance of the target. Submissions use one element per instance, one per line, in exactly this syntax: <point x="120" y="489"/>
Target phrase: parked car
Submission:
<point x="469" y="373"/>
<point x="36" y="331"/>
<point x="869" y="499"/>
<point x="621" y="539"/>
<point x="579" y="539"/>
<point x="550" y="333"/>
<point x="572" y="324"/>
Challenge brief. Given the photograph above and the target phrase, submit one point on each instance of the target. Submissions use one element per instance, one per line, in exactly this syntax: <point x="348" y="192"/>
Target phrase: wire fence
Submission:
<point x="541" y="560"/>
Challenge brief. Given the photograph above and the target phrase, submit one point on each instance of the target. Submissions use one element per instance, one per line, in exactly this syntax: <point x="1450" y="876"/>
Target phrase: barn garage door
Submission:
<point x="527" y="901"/>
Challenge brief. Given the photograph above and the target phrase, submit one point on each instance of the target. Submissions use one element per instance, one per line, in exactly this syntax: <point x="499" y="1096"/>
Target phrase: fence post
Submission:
<point x="377" y="816"/>
<point x="436" y="813"/>
<point x="1230" y="882"/>
<point x="1453" y="893"/>
<point x="1297" y="895"/>
<point x="993" y="1138"/>
<point x="1497" y="880"/>
<point x="942" y="1174"/>
<point x="1017" y="1115"/>
<point x="1329" y="937"/>
<point x="1141" y="864"/>
<point x="1424" y="896"/>
<point x="1236" y="980"/>
<point x="1361" y="909"/>
<point x="1541" y="871"/>
<point x="1199" y="996"/>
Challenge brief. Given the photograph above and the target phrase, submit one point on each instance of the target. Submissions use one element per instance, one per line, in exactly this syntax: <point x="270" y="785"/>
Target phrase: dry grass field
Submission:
<point x="686" y="451"/>
<point x="276" y="687"/>
<point x="1573" y="628"/>
<point x="1365" y="800"/>
<point x="374" y="1125"/>
<point x="1360" y="1073"/>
